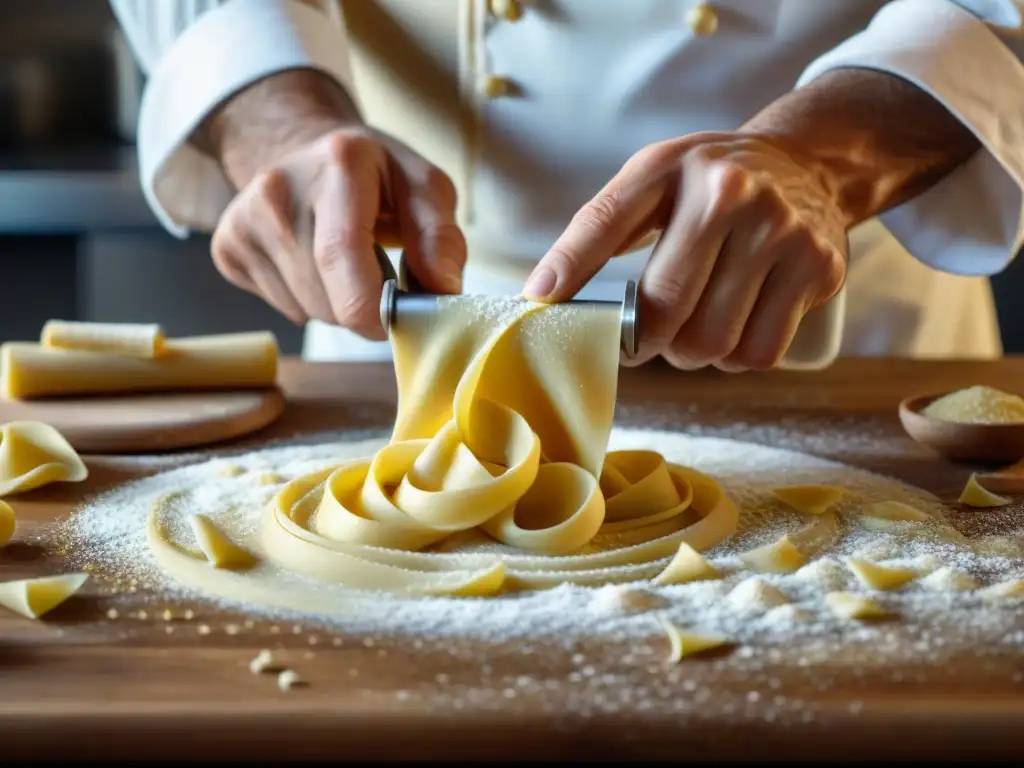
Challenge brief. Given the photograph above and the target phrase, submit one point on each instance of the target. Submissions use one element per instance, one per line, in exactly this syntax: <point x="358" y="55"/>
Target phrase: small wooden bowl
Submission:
<point x="980" y="443"/>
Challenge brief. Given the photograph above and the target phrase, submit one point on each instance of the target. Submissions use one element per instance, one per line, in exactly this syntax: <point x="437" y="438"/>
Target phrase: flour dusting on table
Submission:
<point x="938" y="613"/>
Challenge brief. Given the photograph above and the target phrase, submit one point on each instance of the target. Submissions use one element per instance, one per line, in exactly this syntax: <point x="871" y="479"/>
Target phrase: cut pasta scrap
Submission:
<point x="849" y="605"/>
<point x="1004" y="589"/>
<point x="683" y="644"/>
<point x="975" y="494"/>
<point x="218" y="549"/>
<point x="809" y="499"/>
<point x="687" y="565"/>
<point x="32" y="598"/>
<point x="781" y="556"/>
<point x="7" y="523"/>
<point x="895" y="511"/>
<point x="34" y="454"/>
<point x="144" y="340"/>
<point x="947" y="579"/>
<point x="880" y="577"/>
<point x="756" y="594"/>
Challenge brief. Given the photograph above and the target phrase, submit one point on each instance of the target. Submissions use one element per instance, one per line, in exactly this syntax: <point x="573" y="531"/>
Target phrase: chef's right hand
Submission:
<point x="300" y="233"/>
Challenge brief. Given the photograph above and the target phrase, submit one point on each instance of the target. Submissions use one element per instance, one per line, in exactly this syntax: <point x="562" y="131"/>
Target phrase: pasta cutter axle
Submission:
<point x="403" y="296"/>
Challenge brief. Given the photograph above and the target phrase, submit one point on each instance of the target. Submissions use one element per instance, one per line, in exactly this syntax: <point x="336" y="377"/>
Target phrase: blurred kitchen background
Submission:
<point x="77" y="240"/>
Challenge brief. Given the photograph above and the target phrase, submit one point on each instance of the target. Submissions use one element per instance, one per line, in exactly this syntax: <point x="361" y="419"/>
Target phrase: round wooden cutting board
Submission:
<point x="150" y="423"/>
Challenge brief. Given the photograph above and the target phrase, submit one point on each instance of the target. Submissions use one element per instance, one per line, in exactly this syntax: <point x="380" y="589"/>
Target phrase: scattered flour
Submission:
<point x="938" y="615"/>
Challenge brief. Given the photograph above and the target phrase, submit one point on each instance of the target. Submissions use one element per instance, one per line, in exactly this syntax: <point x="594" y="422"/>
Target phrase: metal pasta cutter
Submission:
<point x="403" y="296"/>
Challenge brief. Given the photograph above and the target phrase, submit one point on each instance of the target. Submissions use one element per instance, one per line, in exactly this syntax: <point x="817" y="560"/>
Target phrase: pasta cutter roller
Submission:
<point x="403" y="296"/>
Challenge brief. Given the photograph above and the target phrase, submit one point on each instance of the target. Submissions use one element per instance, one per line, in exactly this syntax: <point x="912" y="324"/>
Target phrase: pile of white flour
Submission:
<point x="935" y="616"/>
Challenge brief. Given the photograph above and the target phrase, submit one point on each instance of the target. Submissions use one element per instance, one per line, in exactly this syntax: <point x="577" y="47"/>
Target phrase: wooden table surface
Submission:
<point x="78" y="684"/>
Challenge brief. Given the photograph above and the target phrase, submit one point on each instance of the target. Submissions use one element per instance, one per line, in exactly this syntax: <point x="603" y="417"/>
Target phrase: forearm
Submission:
<point x="268" y="119"/>
<point x="876" y="139"/>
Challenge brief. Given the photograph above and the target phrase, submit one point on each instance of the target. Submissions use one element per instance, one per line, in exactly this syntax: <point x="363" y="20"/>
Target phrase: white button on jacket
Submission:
<point x="532" y="106"/>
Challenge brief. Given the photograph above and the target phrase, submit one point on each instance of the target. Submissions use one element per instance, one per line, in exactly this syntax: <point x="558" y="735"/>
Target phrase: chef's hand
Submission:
<point x="300" y="232"/>
<point x="752" y="239"/>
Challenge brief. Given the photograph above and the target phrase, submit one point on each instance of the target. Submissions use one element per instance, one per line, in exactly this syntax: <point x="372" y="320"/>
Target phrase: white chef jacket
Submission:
<point x="584" y="85"/>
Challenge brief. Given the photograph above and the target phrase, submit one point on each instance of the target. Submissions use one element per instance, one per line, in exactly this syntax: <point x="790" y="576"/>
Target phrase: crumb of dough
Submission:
<point x="618" y="599"/>
<point x="947" y="579"/>
<point x="848" y="605"/>
<point x="881" y="577"/>
<point x="977" y="405"/>
<point x="272" y="478"/>
<point x="975" y="494"/>
<point x="1012" y="588"/>
<point x="687" y="565"/>
<point x="780" y="556"/>
<point x="756" y="594"/>
<point x="684" y="643"/>
<point x="288" y="679"/>
<point x="264" y="662"/>
<point x="230" y="470"/>
<point x="809" y="499"/>
<point x="895" y="511"/>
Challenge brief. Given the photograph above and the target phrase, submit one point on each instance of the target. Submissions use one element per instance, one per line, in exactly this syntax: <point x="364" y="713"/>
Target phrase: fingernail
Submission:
<point x="541" y="283"/>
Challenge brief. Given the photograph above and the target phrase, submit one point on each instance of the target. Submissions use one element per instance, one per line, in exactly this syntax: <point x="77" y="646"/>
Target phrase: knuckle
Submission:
<point x="704" y="344"/>
<point x="356" y="311"/>
<point x="347" y="149"/>
<point x="758" y="357"/>
<point x="442" y="187"/>
<point x="600" y="213"/>
<point x="669" y="292"/>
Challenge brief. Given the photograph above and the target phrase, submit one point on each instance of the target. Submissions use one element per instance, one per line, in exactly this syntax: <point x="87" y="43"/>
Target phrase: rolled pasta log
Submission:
<point x="224" y="361"/>
<point x="125" y="339"/>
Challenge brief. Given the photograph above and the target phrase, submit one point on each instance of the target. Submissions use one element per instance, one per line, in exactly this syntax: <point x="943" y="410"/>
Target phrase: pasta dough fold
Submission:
<point x="501" y="434"/>
<point x="33" y="454"/>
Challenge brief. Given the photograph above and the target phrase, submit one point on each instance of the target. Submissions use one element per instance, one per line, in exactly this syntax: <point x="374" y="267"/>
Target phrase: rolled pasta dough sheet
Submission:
<point x="504" y="414"/>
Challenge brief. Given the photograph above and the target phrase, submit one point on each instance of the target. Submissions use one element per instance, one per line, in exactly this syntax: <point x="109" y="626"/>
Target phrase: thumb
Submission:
<point x="434" y="246"/>
<point x="596" y="234"/>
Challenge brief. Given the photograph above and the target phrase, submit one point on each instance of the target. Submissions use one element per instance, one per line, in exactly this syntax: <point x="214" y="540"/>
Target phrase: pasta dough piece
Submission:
<point x="33" y="454"/>
<point x="7" y="523"/>
<point x="975" y="494"/>
<point x="33" y="597"/>
<point x="778" y="557"/>
<point x="127" y="339"/>
<point x="809" y="499"/>
<point x="288" y="679"/>
<point x="848" y="605"/>
<point x="687" y="565"/>
<point x="684" y="644"/>
<point x="757" y="594"/>
<point x="895" y="511"/>
<point x="949" y="580"/>
<point x="263" y="662"/>
<point x="226" y="361"/>
<point x="219" y="550"/>
<point x="1011" y="588"/>
<point x="880" y="577"/>
<point x="489" y="435"/>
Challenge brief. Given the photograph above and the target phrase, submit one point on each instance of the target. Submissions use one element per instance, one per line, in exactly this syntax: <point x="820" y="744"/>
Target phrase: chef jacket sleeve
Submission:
<point x="198" y="53"/>
<point x="968" y="56"/>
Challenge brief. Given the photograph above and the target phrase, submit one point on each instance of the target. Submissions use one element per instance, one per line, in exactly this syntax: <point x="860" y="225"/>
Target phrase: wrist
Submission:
<point x="271" y="118"/>
<point x="838" y="182"/>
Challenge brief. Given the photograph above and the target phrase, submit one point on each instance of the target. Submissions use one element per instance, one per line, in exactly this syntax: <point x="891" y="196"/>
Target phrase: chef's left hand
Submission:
<point x="752" y="238"/>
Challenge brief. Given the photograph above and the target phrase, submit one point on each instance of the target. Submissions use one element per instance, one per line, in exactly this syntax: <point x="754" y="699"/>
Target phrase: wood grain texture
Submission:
<point x="151" y="423"/>
<point x="79" y="684"/>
